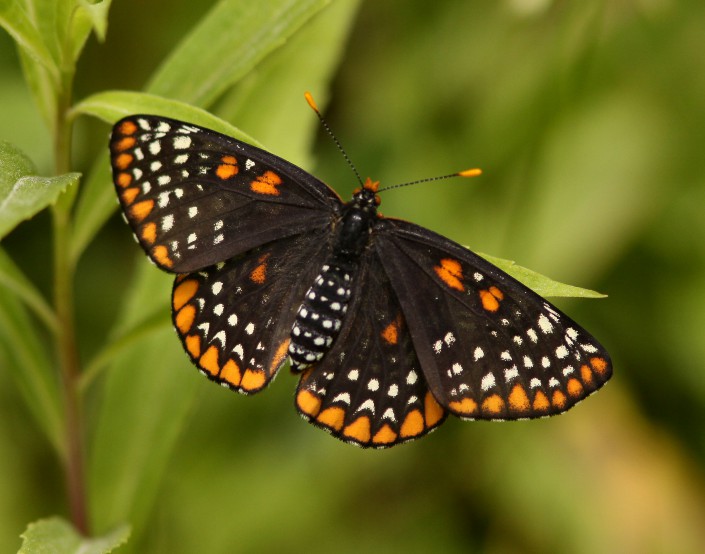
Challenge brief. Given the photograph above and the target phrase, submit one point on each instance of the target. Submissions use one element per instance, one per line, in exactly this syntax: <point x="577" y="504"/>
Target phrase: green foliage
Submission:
<point x="587" y="120"/>
<point x="22" y="194"/>
<point x="56" y="536"/>
<point x="540" y="283"/>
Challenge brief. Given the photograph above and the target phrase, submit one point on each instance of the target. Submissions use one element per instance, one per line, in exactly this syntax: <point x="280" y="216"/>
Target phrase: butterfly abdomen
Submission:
<point x="321" y="314"/>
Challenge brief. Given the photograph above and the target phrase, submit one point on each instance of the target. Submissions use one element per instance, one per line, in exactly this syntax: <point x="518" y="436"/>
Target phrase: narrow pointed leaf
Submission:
<point x="541" y="284"/>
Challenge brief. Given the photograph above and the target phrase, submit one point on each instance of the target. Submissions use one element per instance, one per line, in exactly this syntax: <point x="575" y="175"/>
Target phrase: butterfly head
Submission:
<point x="366" y="197"/>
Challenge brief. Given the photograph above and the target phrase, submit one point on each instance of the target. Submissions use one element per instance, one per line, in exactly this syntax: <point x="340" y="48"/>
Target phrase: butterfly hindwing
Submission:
<point x="235" y="318"/>
<point x="369" y="388"/>
<point x="490" y="347"/>
<point x="195" y="197"/>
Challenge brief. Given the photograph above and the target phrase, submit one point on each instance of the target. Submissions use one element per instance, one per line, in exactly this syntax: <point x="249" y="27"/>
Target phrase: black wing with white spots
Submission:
<point x="235" y="318"/>
<point x="195" y="197"/>
<point x="490" y="348"/>
<point x="369" y="388"/>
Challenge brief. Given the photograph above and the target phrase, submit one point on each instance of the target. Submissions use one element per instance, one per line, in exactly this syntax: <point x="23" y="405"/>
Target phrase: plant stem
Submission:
<point x="74" y="464"/>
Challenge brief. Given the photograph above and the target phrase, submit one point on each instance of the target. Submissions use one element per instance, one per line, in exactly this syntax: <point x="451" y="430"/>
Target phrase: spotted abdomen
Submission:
<point x="320" y="315"/>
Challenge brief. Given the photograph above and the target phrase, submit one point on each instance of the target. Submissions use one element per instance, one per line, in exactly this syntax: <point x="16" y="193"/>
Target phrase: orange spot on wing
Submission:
<point x="209" y="361"/>
<point x="123" y="161"/>
<point x="493" y="405"/>
<point x="193" y="345"/>
<point x="259" y="274"/>
<point x="267" y="183"/>
<point x="125" y="143"/>
<point x="149" y="232"/>
<point x="308" y="403"/>
<point x="558" y="399"/>
<point x="490" y="298"/>
<point x="141" y="210"/>
<point x="433" y="412"/>
<point x="518" y="400"/>
<point x="464" y="407"/>
<point x="599" y="365"/>
<point x="228" y="168"/>
<point x="332" y="417"/>
<point x="541" y="403"/>
<point x="413" y="424"/>
<point x="184" y="318"/>
<point x="253" y="380"/>
<point x="359" y="430"/>
<point x="574" y="388"/>
<point x="280" y="355"/>
<point x="124" y="179"/>
<point x="451" y="273"/>
<point x="385" y="435"/>
<point x="231" y="373"/>
<point x="390" y="334"/>
<point x="129" y="195"/>
<point x="498" y="294"/>
<point x="586" y="374"/>
<point x="184" y="292"/>
<point x="160" y="254"/>
<point x="127" y="128"/>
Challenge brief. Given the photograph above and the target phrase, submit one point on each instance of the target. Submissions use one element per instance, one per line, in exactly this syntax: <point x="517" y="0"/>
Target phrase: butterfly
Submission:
<point x="390" y="326"/>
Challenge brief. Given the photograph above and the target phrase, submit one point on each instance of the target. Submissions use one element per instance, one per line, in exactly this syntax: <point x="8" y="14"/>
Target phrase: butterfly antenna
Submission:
<point x="465" y="173"/>
<point x="314" y="107"/>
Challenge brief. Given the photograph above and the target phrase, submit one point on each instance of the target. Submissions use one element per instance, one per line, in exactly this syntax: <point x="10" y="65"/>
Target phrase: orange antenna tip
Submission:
<point x="470" y="173"/>
<point x="311" y="102"/>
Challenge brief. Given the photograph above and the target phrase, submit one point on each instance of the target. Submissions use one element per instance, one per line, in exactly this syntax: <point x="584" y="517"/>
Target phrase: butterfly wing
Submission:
<point x="490" y="348"/>
<point x="195" y="197"/>
<point x="369" y="388"/>
<point x="234" y="318"/>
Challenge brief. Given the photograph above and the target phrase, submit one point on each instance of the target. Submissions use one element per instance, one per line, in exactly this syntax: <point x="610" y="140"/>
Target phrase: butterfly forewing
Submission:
<point x="195" y="197"/>
<point x="490" y="347"/>
<point x="369" y="388"/>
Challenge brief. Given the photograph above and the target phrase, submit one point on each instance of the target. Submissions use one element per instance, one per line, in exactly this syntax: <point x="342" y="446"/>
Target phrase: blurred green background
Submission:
<point x="588" y="119"/>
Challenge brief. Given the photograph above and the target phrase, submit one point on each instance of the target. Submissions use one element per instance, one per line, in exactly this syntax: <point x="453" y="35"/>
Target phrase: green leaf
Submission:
<point x="98" y="198"/>
<point x="228" y="42"/>
<point x="14" y="164"/>
<point x="23" y="354"/>
<point x="540" y="284"/>
<point x="306" y="63"/>
<point x="87" y="17"/>
<point x="110" y="106"/>
<point x="42" y="84"/>
<point x="12" y="279"/>
<point x="15" y="19"/>
<point x="29" y="196"/>
<point x="21" y="195"/>
<point x="57" y="536"/>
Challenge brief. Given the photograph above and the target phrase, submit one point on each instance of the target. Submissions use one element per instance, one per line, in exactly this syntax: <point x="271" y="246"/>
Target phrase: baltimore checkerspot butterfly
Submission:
<point x="391" y="327"/>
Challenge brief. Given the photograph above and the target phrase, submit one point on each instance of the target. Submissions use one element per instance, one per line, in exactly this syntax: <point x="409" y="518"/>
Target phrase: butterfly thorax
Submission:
<point x="321" y="313"/>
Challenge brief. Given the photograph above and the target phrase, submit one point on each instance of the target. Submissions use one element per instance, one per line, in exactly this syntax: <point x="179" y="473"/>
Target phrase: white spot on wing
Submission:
<point x="167" y="222"/>
<point x="487" y="382"/>
<point x="182" y="142"/>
